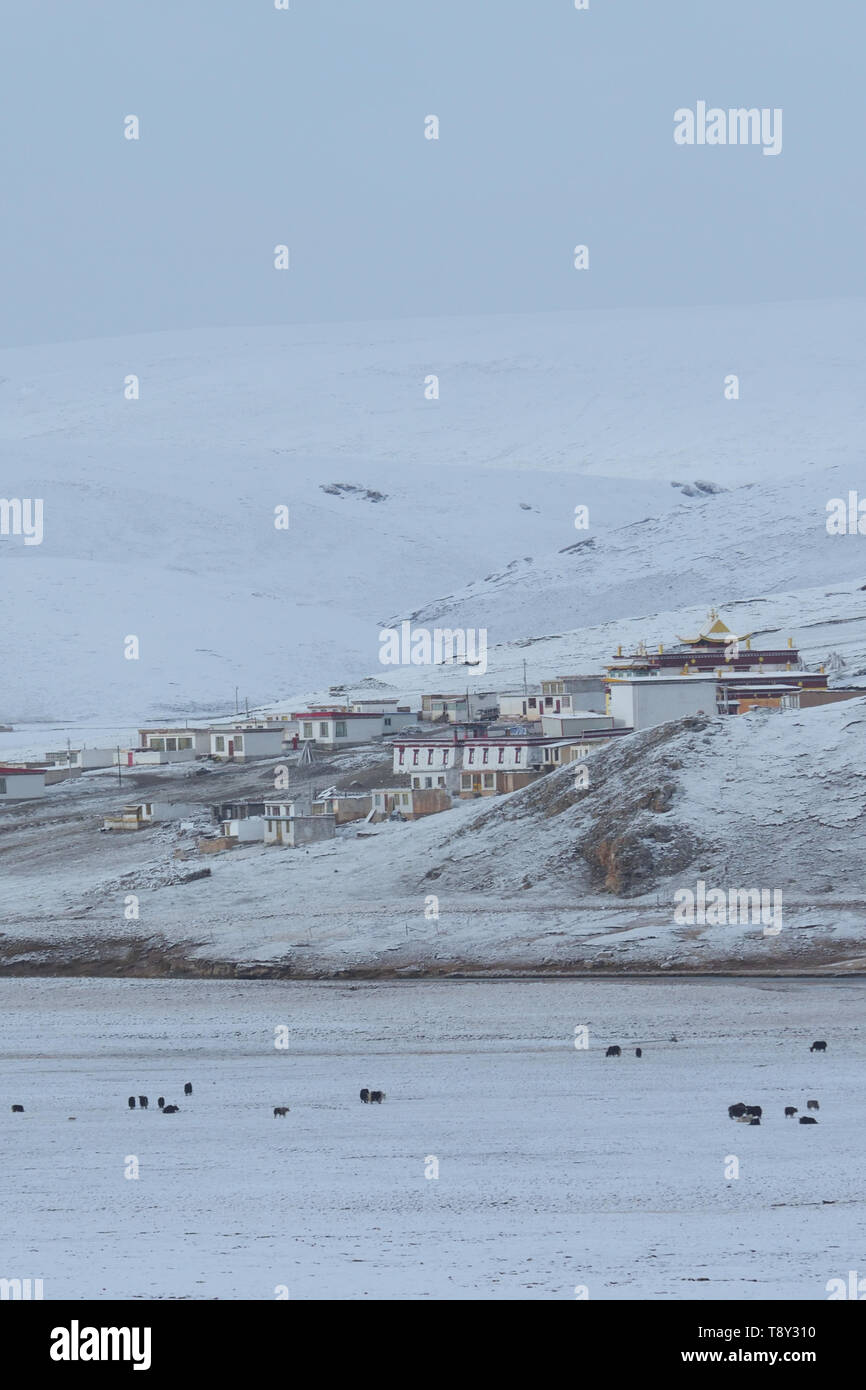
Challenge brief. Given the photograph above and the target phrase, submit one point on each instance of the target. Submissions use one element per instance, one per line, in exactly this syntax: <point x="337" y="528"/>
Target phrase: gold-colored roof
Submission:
<point x="714" y="631"/>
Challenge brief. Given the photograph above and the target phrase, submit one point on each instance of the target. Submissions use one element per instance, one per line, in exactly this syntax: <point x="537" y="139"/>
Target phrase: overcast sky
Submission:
<point x="306" y="127"/>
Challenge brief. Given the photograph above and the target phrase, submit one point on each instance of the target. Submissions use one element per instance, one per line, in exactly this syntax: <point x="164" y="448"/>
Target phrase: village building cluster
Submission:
<point x="454" y="746"/>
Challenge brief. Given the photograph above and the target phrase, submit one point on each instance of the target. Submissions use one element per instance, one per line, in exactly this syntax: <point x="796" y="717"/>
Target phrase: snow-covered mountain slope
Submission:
<point x="553" y="876"/>
<point x="159" y="512"/>
<point x="752" y="540"/>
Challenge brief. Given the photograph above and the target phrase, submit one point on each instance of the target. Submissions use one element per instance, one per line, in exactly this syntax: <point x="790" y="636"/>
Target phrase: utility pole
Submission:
<point x="119" y="775"/>
<point x="524" y="678"/>
<point x="236" y="700"/>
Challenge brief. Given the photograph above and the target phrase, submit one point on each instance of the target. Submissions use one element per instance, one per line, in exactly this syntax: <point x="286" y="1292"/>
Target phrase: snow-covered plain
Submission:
<point x="558" y="1168"/>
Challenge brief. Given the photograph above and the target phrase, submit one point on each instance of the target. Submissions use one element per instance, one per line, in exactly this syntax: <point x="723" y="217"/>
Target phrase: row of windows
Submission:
<point x="339" y="732"/>
<point x="488" y="779"/>
<point x="169" y="745"/>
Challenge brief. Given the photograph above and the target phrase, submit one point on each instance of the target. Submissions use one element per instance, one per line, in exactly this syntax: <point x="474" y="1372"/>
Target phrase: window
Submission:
<point x="430" y="752"/>
<point x="502" y="755"/>
<point x="219" y="743"/>
<point x="428" y="781"/>
<point x="239" y="743"/>
<point x="2" y="786"/>
<point x="445" y="757"/>
<point x="484" y="758"/>
<point x="171" y="745"/>
<point x="532" y="703"/>
<point x="184" y="743"/>
<point x="415" y="752"/>
<point x="466" y="781"/>
<point x="471" y="757"/>
<point x="489" y="779"/>
<point x="158" y="744"/>
<point x="402" y="753"/>
<point x="404" y="797"/>
<point x="308" y="729"/>
<point x="387" y="721"/>
<point x="341" y="729"/>
<point x="323" y="729"/>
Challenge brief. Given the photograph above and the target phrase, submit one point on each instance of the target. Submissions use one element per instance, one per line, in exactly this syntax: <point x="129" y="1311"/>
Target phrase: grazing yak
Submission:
<point x="281" y="1110"/>
<point x="613" y="1052"/>
<point x="376" y="1097"/>
<point x="807" y="1120"/>
<point x="736" y="1111"/>
<point x="18" y="1110"/>
<point x="142" y="1100"/>
<point x="812" y="1105"/>
<point x="170" y="1110"/>
<point x="790" y="1111"/>
<point x="818" y="1047"/>
<point x="638" y="1052"/>
<point x="187" y="1090"/>
<point x="365" y="1096"/>
<point x="754" y="1110"/>
<point x="161" y="1102"/>
<point x="131" y="1102"/>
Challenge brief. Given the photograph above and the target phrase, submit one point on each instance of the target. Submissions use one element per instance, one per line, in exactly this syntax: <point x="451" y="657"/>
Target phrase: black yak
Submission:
<point x="807" y="1120"/>
<point x="161" y="1102"/>
<point x="790" y="1111"/>
<point x="637" y="1052"/>
<point x="376" y="1097"/>
<point x="754" y="1110"/>
<point x="613" y="1052"/>
<point x="281" y="1110"/>
<point x="170" y="1110"/>
<point x="142" y="1100"/>
<point x="365" y="1096"/>
<point x="735" y="1111"/>
<point x="812" y="1105"/>
<point x="18" y="1110"/>
<point x="131" y="1102"/>
<point x="818" y="1047"/>
<point x="187" y="1090"/>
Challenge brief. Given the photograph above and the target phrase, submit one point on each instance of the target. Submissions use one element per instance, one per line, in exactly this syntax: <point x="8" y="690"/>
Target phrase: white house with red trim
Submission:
<point x="20" y="783"/>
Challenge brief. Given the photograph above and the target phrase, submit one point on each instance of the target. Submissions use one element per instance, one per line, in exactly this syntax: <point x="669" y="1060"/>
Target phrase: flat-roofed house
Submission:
<point x="177" y="739"/>
<point x="338" y="728"/>
<point x="290" y="823"/>
<point x="411" y="803"/>
<point x="243" y="742"/>
<point x="21" y="783"/>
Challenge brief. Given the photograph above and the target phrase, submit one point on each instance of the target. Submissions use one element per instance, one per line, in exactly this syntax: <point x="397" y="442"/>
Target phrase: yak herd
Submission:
<point x="751" y="1114"/>
<point x="745" y="1114"/>
<point x="367" y="1096"/>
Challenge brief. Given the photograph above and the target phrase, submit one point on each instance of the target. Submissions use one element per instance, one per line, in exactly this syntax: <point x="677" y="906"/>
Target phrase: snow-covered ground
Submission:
<point x="159" y="512"/>
<point x="557" y="1168"/>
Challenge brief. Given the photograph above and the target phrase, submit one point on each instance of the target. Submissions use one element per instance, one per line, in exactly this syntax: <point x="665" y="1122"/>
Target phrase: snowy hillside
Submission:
<point x="159" y="512"/>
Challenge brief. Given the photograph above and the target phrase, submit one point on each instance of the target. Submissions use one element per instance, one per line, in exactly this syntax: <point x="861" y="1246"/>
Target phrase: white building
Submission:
<point x="241" y="742"/>
<point x="20" y="783"/>
<point x="176" y="740"/>
<point x="152" y="757"/>
<point x="574" y="723"/>
<point x="289" y="824"/>
<point x="338" y="728"/>
<point x="641" y="702"/>
<point x="520" y="709"/>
